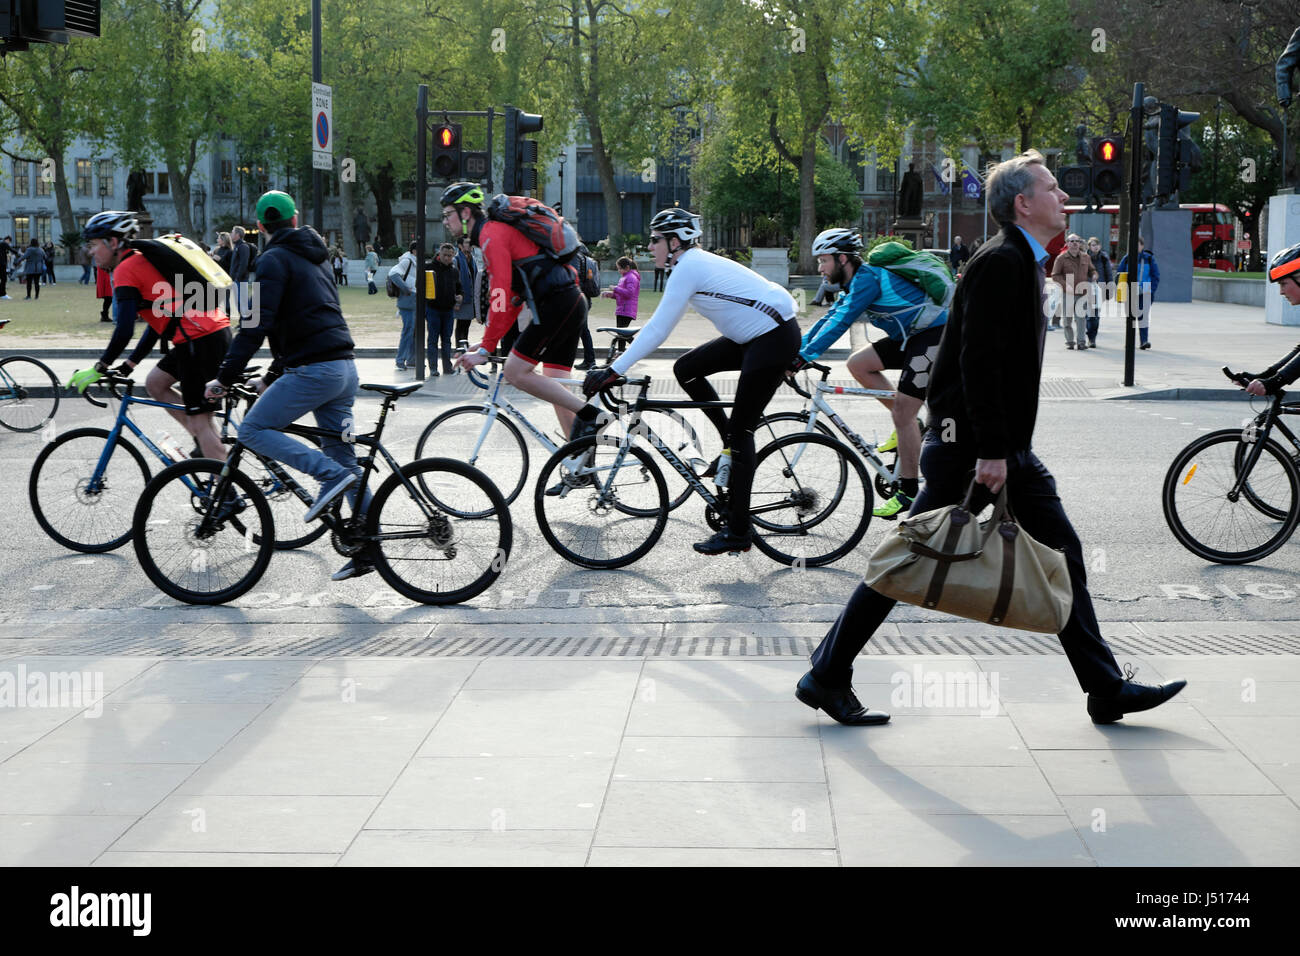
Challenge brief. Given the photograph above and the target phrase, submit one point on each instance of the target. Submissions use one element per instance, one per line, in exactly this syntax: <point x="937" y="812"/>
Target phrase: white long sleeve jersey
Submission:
<point x="740" y="303"/>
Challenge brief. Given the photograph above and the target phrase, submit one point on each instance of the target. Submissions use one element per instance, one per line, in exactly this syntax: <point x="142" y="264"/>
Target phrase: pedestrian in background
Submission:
<point x="589" y="282"/>
<point x="440" y="309"/>
<point x="240" y="254"/>
<point x="48" y="249"/>
<point x="83" y="260"/>
<point x="6" y="250"/>
<point x="1105" y="276"/>
<point x="33" y="267"/>
<point x="1074" y="273"/>
<point x="372" y="267"/>
<point x="1147" y="279"/>
<point x="958" y="255"/>
<point x="625" y="295"/>
<point x="661" y="278"/>
<point x="104" y="292"/>
<point x="405" y="274"/>
<point x="467" y="267"/>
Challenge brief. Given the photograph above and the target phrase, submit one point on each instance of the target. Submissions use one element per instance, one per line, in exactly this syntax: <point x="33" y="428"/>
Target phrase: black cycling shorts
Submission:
<point x="194" y="364"/>
<point x="916" y="359"/>
<point x="554" y="340"/>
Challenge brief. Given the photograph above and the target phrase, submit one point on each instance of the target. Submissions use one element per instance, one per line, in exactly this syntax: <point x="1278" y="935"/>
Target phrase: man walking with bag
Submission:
<point x="983" y="399"/>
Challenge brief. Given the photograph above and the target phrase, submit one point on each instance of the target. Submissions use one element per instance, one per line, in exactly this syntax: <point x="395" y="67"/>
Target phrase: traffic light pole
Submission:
<point x="421" y="206"/>
<point x="317" y="176"/>
<point x="1134" y="220"/>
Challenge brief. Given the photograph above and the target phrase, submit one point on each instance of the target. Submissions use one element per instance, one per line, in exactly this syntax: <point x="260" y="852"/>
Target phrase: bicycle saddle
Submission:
<point x="396" y="391"/>
<point x="628" y="333"/>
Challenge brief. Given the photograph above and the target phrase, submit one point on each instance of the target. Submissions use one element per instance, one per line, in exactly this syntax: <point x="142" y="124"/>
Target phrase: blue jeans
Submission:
<point x="85" y="275"/>
<point x="406" y="341"/>
<point x="440" y="325"/>
<point x="325" y="389"/>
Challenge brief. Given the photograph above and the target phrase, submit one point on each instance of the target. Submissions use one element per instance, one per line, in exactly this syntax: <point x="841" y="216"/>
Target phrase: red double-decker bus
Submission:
<point x="1214" y="233"/>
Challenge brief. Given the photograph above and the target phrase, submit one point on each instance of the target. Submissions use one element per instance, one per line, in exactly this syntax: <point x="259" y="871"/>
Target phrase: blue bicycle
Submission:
<point x="85" y="484"/>
<point x="29" y="392"/>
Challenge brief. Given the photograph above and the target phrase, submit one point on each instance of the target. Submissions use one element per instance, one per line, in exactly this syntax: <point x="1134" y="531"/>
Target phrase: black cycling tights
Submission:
<point x="762" y="363"/>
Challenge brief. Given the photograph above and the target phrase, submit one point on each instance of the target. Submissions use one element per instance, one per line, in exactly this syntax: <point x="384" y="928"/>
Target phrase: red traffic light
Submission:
<point x="446" y="136"/>
<point x="1107" y="151"/>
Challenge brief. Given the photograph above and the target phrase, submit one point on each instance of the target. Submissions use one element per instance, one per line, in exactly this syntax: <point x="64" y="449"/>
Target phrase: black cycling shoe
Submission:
<point x="724" y="542"/>
<point x="712" y="469"/>
<point x="585" y="428"/>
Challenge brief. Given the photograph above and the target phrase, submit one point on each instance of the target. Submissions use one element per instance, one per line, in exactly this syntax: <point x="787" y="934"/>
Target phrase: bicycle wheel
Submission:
<point x="811" y="500"/>
<point x="1212" y="523"/>
<point x="286" y="507"/>
<point x="193" y="551"/>
<point x="29" y="393"/>
<point x="771" y="427"/>
<point x="679" y="435"/>
<point x="501" y="454"/>
<point x="613" y="507"/>
<point x="1260" y="498"/>
<point x="444" y="537"/>
<point x="78" y="514"/>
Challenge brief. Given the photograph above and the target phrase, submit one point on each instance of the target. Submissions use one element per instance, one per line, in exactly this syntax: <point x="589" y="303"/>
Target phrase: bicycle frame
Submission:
<point x="1270" y="418"/>
<point x="818" y="405"/>
<point x="124" y="421"/>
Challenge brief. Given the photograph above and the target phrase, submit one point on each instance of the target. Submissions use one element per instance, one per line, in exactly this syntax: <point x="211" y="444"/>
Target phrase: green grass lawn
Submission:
<point x="67" y="315"/>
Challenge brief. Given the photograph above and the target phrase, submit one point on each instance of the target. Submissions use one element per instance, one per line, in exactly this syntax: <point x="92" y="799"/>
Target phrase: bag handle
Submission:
<point x="958" y="518"/>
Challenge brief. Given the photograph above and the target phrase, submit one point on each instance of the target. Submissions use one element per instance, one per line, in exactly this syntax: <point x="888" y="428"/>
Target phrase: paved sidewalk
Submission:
<point x="682" y="757"/>
<point x="1190" y="342"/>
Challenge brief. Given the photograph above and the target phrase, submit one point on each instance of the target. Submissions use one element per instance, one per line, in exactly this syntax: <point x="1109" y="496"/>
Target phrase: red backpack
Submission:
<point x="543" y="225"/>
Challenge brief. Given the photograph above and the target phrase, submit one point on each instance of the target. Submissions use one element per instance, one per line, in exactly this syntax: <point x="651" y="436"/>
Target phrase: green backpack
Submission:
<point x="922" y="269"/>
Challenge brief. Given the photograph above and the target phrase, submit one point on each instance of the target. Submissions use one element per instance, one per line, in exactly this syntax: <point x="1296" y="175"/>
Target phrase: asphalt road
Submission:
<point x="1109" y="458"/>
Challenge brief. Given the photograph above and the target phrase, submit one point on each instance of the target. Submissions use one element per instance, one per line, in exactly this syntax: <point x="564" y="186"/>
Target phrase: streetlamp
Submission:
<point x="243" y="171"/>
<point x="560" y="206"/>
<point x="200" y="196"/>
<point x="104" y="186"/>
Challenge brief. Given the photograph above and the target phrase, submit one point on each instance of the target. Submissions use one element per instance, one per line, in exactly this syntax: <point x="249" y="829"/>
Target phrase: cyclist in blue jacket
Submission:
<point x="913" y="323"/>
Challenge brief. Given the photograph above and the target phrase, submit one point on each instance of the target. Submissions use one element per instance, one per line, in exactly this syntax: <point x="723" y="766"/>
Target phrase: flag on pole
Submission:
<point x="970" y="184"/>
<point x="943" y="187"/>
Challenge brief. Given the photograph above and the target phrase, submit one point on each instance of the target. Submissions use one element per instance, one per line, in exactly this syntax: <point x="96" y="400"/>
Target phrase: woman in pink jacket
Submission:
<point x="625" y="294"/>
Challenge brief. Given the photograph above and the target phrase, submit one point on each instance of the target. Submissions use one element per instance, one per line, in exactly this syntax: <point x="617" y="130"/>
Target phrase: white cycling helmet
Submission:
<point x="676" y="222"/>
<point x="836" y="242"/>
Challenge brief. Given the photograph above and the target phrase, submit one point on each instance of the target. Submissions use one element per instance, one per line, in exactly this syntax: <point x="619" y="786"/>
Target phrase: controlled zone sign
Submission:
<point x="322" y="126"/>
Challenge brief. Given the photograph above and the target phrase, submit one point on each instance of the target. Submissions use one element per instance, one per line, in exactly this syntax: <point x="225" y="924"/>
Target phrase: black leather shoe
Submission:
<point x="723" y="542"/>
<point x="1129" y="699"/>
<point x="842" y="705"/>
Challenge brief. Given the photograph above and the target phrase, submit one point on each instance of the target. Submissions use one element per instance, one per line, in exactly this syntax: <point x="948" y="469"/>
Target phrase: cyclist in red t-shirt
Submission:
<point x="199" y="339"/>
<point x="550" y="338"/>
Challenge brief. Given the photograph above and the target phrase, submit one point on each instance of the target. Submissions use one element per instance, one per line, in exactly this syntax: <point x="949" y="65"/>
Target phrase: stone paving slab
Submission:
<point x="668" y="761"/>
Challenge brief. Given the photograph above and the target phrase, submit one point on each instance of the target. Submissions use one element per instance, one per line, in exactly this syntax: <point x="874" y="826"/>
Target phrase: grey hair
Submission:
<point x="1010" y="179"/>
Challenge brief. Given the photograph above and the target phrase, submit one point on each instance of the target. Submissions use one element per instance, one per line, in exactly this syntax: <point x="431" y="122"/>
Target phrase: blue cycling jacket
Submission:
<point x="889" y="302"/>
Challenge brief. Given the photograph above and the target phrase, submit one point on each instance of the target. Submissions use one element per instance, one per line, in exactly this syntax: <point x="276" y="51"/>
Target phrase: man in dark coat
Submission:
<point x="983" y="399"/>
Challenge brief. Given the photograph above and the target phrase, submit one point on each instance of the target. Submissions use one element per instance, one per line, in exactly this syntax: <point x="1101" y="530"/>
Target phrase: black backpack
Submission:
<point x="588" y="273"/>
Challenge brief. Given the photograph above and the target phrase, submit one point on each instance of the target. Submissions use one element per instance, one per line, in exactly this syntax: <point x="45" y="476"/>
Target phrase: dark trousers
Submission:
<point x="440" y="325"/>
<point x="1031" y="493"/>
<point x="660" y="279"/>
<point x="462" y="329"/>
<point x="588" y="350"/>
<point x="4" y="279"/>
<point x="34" y="282"/>
<point x="762" y="363"/>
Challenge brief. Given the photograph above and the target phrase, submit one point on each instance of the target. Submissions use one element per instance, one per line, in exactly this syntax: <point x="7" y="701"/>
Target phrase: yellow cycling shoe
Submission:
<point x="893" y="507"/>
<point x="890" y="443"/>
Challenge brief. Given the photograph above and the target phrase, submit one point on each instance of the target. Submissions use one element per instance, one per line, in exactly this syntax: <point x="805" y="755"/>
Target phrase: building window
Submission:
<point x="83" y="177"/>
<point x="162" y="184"/>
<point x="226" y="184"/>
<point x="22" y="178"/>
<point x="22" y="229"/>
<point x="43" y="230"/>
<point x="106" y="177"/>
<point x="586" y="163"/>
<point x="886" y="179"/>
<point x="43" y="185"/>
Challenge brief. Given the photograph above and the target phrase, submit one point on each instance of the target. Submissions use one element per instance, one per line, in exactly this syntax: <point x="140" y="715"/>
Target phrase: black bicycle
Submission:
<point x="437" y="530"/>
<point x="811" y="499"/>
<point x="1233" y="496"/>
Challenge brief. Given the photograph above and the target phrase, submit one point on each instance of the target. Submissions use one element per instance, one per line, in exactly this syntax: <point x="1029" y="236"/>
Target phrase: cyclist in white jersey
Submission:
<point x="759" y="337"/>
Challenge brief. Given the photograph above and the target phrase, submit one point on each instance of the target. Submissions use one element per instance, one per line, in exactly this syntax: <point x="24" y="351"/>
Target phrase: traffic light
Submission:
<point x="46" y="21"/>
<point x="520" y="153"/>
<point x="1177" y="155"/>
<point x="446" y="151"/>
<point x="1075" y="180"/>
<point x="1107" y="164"/>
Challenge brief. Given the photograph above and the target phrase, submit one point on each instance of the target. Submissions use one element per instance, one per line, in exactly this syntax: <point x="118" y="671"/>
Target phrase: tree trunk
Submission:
<point x="381" y="187"/>
<point x="179" y="184"/>
<point x="67" y="222"/>
<point x="608" y="189"/>
<point x="350" y="248"/>
<point x="807" y="206"/>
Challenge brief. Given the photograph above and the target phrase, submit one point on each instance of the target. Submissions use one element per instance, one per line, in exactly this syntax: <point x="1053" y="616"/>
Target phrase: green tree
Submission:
<point x="1248" y="175"/>
<point x="50" y="92"/>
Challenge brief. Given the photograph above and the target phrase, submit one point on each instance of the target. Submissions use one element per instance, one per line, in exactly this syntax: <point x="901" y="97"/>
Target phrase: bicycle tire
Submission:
<point x="1255" y="498"/>
<point x="469" y="536"/>
<point x="168" y="503"/>
<point x="566" y="519"/>
<point x="1195" y="512"/>
<point x="287" y="508"/>
<point x="80" y="521"/>
<point x="770" y="423"/>
<point x="804" y="497"/>
<point x="499" y="458"/>
<point x="19" y="410"/>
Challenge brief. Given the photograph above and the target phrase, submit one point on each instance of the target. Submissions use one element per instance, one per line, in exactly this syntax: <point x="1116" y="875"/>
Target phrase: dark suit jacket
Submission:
<point x="987" y="371"/>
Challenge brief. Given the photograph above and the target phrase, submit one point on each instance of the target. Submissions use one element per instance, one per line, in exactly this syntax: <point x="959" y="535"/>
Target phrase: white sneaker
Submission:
<point x="6" y="297"/>
<point x="327" y="495"/>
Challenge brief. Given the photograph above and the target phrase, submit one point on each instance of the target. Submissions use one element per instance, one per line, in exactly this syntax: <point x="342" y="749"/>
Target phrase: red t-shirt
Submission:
<point x="160" y="302"/>
<point x="503" y="245"/>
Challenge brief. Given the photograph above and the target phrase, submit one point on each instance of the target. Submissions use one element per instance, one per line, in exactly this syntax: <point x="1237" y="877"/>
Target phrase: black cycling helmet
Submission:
<point x="458" y="193"/>
<point x="676" y="222"/>
<point x="1285" y="263"/>
<point x="113" y="223"/>
<point x="837" y="241"/>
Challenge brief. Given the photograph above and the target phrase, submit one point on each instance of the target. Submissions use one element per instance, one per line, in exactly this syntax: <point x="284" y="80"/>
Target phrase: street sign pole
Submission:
<point x="421" y="205"/>
<point x="1136" y="119"/>
<point x="317" y="177"/>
